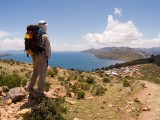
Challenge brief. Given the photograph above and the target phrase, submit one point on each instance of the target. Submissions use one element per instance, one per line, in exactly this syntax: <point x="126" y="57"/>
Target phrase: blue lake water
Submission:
<point x="75" y="60"/>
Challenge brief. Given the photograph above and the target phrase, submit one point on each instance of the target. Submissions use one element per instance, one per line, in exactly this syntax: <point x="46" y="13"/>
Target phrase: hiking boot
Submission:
<point x="40" y="97"/>
<point x="32" y="95"/>
<point x="32" y="92"/>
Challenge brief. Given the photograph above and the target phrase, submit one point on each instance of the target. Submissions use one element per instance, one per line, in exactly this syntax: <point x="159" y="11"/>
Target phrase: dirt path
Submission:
<point x="150" y="97"/>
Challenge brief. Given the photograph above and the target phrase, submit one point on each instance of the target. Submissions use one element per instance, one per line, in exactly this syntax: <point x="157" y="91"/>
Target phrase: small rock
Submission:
<point x="121" y="109"/>
<point x="71" y="102"/>
<point x="144" y="85"/>
<point x="76" y="119"/>
<point x="20" y="118"/>
<point x="128" y="90"/>
<point x="61" y="94"/>
<point x="110" y="117"/>
<point x="136" y="100"/>
<point x="146" y="109"/>
<point x="12" y="105"/>
<point x="1" y="91"/>
<point x="10" y="111"/>
<point x="72" y="94"/>
<point x="111" y="84"/>
<point x="110" y="105"/>
<point x="133" y="109"/>
<point x="130" y="102"/>
<point x="8" y="101"/>
<point x="128" y="110"/>
<point x="4" y="94"/>
<point x="89" y="98"/>
<point x="24" y="113"/>
<point x="102" y="107"/>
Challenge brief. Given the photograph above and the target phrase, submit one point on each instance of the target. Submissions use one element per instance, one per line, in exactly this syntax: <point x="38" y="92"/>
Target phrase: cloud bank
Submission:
<point x="3" y="34"/>
<point x="10" y="44"/>
<point x="121" y="34"/>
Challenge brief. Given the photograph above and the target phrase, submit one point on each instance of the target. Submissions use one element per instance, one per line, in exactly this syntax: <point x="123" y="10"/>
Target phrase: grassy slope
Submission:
<point x="150" y="72"/>
<point x="100" y="107"/>
<point x="120" y="55"/>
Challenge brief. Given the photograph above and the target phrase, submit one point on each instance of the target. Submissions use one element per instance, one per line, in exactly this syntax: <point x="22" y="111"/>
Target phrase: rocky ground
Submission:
<point x="116" y="94"/>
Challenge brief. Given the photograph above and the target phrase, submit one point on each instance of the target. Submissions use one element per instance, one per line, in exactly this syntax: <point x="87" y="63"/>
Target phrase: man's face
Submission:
<point x="44" y="27"/>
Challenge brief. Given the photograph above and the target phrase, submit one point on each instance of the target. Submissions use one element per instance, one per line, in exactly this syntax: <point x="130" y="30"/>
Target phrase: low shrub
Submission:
<point x="12" y="81"/>
<point x="49" y="109"/>
<point x="98" y="90"/>
<point x="85" y="86"/>
<point x="75" y="87"/>
<point x="106" y="80"/>
<point x="90" y="80"/>
<point x="28" y="74"/>
<point x="80" y="94"/>
<point x="126" y="83"/>
<point x="52" y="72"/>
<point x="47" y="86"/>
<point x="60" y="78"/>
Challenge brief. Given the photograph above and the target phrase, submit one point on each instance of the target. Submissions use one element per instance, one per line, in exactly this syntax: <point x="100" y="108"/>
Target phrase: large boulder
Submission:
<point x="17" y="94"/>
<point x="57" y="90"/>
<point x="25" y="113"/>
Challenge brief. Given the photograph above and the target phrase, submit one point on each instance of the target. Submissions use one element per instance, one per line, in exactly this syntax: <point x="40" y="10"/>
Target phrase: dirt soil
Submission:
<point x="150" y="98"/>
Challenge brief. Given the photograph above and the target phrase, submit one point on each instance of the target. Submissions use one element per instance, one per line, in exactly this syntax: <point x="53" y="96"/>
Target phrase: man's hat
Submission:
<point x="42" y="22"/>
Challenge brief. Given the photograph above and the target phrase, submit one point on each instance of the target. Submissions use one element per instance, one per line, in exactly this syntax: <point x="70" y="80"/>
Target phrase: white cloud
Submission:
<point x="117" y="11"/>
<point x="6" y="43"/>
<point x="3" y="34"/>
<point x="12" y="44"/>
<point x="121" y="34"/>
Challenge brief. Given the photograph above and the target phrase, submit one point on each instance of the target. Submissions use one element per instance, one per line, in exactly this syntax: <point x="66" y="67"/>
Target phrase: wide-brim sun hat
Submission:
<point x="42" y="22"/>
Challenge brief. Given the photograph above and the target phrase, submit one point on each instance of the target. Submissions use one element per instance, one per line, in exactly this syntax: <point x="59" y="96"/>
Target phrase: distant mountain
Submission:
<point x="123" y="53"/>
<point x="12" y="52"/>
<point x="2" y="55"/>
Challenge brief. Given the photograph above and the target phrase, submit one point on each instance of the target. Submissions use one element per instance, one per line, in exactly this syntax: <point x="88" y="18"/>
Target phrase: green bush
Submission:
<point x="85" y="86"/>
<point x="49" y="109"/>
<point x="126" y="83"/>
<point x="12" y="81"/>
<point x="47" y="86"/>
<point x="98" y="90"/>
<point x="52" y="72"/>
<point x="106" y="80"/>
<point x="60" y="78"/>
<point x="101" y="74"/>
<point x="90" y="80"/>
<point x="74" y="88"/>
<point x="28" y="74"/>
<point x="24" y="82"/>
<point x="80" y="94"/>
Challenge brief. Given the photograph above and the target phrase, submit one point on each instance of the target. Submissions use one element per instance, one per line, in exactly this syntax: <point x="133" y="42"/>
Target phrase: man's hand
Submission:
<point x="47" y="63"/>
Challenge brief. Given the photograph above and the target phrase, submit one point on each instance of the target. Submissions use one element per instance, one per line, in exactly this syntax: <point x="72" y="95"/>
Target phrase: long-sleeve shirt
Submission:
<point x="47" y="46"/>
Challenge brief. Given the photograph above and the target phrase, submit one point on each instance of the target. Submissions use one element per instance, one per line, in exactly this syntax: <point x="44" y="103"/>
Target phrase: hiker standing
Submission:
<point x="40" y="63"/>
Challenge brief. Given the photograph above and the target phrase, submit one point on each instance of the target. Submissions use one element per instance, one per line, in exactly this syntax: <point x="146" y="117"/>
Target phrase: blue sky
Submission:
<point x="76" y="25"/>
